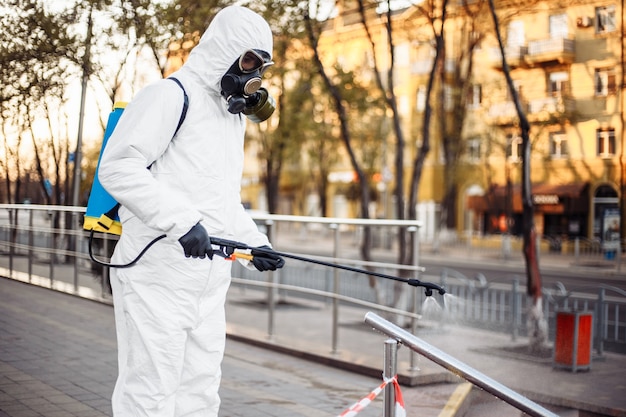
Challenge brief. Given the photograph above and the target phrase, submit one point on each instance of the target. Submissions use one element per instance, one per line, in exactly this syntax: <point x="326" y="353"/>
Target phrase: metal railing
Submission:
<point x="582" y="249"/>
<point x="504" y="307"/>
<point x="46" y="248"/>
<point x="46" y="245"/>
<point x="551" y="45"/>
<point x="448" y="362"/>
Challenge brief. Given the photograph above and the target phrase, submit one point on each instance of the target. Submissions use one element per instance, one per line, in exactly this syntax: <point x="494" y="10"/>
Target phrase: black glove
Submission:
<point x="266" y="261"/>
<point x="196" y="243"/>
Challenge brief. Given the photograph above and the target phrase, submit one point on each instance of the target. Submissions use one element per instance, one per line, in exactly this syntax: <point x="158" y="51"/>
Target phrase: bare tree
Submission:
<point x="321" y="145"/>
<point x="12" y="163"/>
<point x="51" y="147"/>
<point x="180" y="23"/>
<point x="537" y="326"/>
<point x="342" y="113"/>
<point x="279" y="138"/>
<point x="37" y="56"/>
<point x="392" y="103"/>
<point x="467" y="35"/>
<point x="437" y="19"/>
<point x="299" y="130"/>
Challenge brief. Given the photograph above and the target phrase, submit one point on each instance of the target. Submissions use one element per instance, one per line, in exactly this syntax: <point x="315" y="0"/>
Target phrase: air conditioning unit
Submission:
<point x="584" y="22"/>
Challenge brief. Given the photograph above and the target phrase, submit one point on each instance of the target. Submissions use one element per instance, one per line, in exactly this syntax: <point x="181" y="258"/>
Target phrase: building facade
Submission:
<point x="566" y="59"/>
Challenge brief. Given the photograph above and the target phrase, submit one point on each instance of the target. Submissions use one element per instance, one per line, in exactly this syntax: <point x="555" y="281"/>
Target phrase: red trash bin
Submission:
<point x="573" y="340"/>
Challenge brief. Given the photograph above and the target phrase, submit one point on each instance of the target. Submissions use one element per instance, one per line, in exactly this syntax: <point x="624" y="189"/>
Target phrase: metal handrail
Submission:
<point x="459" y="368"/>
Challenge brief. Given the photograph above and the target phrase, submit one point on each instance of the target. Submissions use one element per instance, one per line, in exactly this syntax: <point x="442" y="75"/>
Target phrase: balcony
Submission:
<point x="546" y="104"/>
<point x="552" y="50"/>
<point x="588" y="107"/>
<point x="536" y="110"/>
<point x="514" y="56"/>
<point x="543" y="109"/>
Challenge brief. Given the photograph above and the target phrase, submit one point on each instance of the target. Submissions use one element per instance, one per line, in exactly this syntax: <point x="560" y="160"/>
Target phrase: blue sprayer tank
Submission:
<point x="101" y="214"/>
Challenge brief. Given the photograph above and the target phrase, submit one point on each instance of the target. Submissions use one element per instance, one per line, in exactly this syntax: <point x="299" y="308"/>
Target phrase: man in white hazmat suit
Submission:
<point x="185" y="183"/>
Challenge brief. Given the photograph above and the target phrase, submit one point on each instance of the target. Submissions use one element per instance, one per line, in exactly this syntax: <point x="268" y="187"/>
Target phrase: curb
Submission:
<point x="459" y="401"/>
<point x="405" y="379"/>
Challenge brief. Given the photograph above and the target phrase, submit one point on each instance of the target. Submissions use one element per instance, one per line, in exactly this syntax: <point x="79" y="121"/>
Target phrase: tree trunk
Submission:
<point x="536" y="324"/>
<point x="537" y="328"/>
<point x="272" y="186"/>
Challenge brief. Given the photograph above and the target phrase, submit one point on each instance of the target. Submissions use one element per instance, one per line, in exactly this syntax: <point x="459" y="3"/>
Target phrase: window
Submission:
<point x="514" y="150"/>
<point x="558" y="26"/>
<point x="605" y="19"/>
<point x="558" y="145"/>
<point x="558" y="83"/>
<point x="516" y="35"/>
<point x="474" y="96"/>
<point x="605" y="82"/>
<point x="473" y="150"/>
<point x="606" y="142"/>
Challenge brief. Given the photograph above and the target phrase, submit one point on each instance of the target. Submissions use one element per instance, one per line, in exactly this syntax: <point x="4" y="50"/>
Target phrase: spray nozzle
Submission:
<point x="428" y="287"/>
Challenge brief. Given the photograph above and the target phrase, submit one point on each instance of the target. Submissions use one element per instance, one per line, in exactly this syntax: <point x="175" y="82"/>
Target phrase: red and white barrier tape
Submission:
<point x="364" y="402"/>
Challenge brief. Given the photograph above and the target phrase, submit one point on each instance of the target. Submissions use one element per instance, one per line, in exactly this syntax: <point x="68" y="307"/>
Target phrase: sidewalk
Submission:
<point x="58" y="359"/>
<point x="303" y="329"/>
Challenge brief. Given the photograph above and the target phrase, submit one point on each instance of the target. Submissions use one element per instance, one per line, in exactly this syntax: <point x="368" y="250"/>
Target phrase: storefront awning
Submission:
<point x="547" y="198"/>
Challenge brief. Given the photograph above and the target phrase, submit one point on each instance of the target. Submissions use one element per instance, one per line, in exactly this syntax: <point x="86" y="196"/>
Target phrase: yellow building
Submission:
<point x="567" y="65"/>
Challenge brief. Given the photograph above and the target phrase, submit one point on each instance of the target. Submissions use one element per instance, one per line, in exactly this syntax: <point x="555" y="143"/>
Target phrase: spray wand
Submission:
<point x="228" y="250"/>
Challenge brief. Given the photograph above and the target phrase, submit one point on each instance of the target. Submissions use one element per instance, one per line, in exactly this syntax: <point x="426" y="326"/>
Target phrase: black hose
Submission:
<point x="128" y="265"/>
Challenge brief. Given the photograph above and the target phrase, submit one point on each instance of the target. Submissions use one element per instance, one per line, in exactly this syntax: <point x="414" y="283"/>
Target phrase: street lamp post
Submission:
<point x="79" y="144"/>
<point x="81" y="116"/>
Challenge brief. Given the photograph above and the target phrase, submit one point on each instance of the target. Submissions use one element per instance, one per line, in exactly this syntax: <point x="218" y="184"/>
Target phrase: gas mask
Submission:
<point x="241" y="86"/>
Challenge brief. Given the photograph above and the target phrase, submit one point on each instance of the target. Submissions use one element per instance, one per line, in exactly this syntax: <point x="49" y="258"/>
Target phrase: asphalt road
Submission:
<point x="574" y="279"/>
<point x="583" y="275"/>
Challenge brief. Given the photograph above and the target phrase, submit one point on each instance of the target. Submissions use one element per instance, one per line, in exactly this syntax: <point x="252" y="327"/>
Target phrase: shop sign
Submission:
<point x="545" y="199"/>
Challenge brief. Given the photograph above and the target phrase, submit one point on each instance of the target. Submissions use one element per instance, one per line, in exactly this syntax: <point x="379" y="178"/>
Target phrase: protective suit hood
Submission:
<point x="233" y="30"/>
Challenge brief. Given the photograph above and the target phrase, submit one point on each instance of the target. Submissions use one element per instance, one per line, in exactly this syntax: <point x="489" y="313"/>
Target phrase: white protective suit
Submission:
<point x="169" y="309"/>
